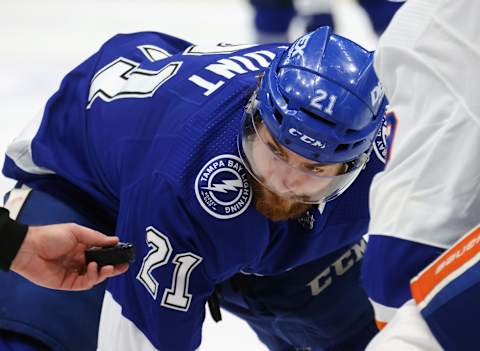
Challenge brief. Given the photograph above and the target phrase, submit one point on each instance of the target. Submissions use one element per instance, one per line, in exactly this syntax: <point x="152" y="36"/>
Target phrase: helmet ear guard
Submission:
<point x="321" y="100"/>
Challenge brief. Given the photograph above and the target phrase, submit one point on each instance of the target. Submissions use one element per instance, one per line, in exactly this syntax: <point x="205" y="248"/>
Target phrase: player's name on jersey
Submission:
<point x="231" y="66"/>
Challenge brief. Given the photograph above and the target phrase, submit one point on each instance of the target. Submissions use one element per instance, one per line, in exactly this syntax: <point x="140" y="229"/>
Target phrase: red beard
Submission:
<point x="273" y="206"/>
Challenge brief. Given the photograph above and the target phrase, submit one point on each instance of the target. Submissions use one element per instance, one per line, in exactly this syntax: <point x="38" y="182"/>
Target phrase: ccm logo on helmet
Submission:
<point x="306" y="138"/>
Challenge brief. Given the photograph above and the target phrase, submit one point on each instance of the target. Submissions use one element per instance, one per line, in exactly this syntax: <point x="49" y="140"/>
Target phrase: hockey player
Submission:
<point x="429" y="195"/>
<point x="262" y="207"/>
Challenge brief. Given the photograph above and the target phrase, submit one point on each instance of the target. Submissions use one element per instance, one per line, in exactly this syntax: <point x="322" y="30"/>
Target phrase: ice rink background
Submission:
<point x="41" y="40"/>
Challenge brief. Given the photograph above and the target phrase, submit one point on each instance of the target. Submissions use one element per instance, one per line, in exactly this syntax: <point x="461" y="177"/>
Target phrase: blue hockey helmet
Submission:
<point x="321" y="100"/>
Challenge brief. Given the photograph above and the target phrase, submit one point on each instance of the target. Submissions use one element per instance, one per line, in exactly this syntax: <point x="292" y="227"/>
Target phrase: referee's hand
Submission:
<point x="53" y="256"/>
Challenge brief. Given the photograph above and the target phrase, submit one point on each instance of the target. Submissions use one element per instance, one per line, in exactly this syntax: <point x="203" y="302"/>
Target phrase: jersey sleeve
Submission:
<point x="388" y="265"/>
<point x="446" y="294"/>
<point x="429" y="193"/>
<point x="12" y="235"/>
<point x="160" y="302"/>
<point x="441" y="315"/>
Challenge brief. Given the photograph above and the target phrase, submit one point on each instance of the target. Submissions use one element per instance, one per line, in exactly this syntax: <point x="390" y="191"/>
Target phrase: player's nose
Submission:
<point x="289" y="181"/>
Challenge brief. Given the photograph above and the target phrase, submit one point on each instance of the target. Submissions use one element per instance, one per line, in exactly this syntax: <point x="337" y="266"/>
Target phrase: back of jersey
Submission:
<point x="126" y="106"/>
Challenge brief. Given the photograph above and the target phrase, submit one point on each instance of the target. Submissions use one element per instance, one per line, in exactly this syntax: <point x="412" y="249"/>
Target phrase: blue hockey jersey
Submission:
<point x="147" y="130"/>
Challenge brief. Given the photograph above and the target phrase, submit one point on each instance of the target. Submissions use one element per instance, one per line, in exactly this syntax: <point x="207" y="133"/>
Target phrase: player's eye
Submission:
<point x="318" y="169"/>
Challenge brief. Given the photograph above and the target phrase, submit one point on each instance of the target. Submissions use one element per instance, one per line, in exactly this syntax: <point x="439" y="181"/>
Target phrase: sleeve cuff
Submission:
<point x="12" y="234"/>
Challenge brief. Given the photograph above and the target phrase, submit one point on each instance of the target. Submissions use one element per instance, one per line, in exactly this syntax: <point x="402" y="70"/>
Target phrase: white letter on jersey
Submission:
<point x="203" y="83"/>
<point x="228" y="68"/>
<point x="224" y="68"/>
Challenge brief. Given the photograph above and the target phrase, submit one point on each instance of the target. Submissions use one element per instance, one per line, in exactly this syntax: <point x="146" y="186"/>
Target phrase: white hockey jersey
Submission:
<point x="429" y="194"/>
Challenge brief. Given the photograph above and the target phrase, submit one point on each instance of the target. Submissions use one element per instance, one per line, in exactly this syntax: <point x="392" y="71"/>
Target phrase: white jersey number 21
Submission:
<point x="177" y="297"/>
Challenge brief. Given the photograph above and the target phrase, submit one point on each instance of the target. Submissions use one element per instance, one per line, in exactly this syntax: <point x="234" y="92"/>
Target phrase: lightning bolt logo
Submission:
<point x="233" y="185"/>
<point x="221" y="187"/>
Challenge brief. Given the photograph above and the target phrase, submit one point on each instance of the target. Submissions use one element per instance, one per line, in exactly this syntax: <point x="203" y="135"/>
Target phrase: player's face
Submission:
<point x="290" y="177"/>
<point x="281" y="168"/>
<point x="288" y="189"/>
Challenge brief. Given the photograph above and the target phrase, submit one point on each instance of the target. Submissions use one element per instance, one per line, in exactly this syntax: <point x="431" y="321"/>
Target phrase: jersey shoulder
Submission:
<point x="182" y="100"/>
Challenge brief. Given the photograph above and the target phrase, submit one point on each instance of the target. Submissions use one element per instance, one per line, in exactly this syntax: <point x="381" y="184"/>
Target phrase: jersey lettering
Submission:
<point x="344" y="263"/>
<point x="231" y="67"/>
<point x="123" y="78"/>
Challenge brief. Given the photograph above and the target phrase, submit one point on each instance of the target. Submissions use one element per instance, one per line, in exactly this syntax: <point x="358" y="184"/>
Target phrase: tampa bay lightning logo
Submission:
<point x="380" y="143"/>
<point x="222" y="187"/>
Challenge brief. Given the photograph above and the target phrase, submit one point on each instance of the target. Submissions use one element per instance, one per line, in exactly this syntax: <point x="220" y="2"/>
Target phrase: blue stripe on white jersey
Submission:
<point x="388" y="284"/>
